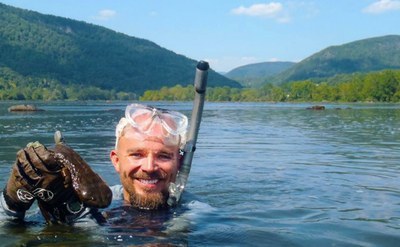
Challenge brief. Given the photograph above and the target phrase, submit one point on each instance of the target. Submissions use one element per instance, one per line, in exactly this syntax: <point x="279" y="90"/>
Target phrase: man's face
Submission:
<point x="146" y="167"/>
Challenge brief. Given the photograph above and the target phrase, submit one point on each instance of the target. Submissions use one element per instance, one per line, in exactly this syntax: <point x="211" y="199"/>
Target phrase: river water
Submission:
<point x="263" y="175"/>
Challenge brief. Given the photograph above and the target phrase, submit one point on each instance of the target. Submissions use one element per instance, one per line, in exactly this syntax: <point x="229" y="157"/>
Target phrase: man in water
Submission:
<point x="147" y="154"/>
<point x="147" y="157"/>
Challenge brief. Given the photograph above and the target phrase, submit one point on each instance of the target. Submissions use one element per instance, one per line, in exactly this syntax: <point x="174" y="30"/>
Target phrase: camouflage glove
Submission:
<point x="17" y="198"/>
<point x="61" y="181"/>
<point x="36" y="174"/>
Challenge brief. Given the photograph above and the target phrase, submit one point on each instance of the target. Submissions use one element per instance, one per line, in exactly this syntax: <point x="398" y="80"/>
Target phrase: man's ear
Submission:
<point x="114" y="159"/>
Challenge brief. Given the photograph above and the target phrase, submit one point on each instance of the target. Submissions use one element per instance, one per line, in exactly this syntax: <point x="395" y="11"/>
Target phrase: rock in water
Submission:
<point x="23" y="108"/>
<point x="316" y="107"/>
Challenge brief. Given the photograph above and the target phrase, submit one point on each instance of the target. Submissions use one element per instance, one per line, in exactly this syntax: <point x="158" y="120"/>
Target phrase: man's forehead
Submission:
<point x="134" y="137"/>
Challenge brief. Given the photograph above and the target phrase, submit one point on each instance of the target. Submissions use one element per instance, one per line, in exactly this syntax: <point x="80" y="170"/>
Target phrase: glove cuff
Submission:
<point x="17" y="204"/>
<point x="5" y="201"/>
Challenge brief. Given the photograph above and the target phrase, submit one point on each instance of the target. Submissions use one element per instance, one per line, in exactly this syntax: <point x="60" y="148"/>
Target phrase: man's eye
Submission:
<point x="136" y="155"/>
<point x="165" y="156"/>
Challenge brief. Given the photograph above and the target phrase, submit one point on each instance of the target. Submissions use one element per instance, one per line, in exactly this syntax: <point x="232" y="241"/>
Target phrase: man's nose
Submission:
<point x="150" y="164"/>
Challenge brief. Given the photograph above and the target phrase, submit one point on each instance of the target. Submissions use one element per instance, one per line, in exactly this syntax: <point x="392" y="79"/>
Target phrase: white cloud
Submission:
<point x="269" y="10"/>
<point x="105" y="14"/>
<point x="381" y="6"/>
<point x="278" y="11"/>
<point x="273" y="10"/>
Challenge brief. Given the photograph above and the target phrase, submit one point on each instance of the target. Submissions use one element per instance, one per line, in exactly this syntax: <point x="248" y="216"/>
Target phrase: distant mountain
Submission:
<point x="252" y="75"/>
<point x="75" y="52"/>
<point x="365" y="55"/>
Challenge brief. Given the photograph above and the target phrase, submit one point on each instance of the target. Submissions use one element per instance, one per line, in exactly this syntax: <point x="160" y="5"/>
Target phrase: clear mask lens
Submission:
<point x="153" y="121"/>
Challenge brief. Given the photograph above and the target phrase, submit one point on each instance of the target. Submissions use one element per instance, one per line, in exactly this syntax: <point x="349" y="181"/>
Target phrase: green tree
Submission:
<point x="302" y="90"/>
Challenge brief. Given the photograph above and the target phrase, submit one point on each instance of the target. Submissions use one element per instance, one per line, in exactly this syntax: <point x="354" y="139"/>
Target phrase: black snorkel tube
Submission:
<point x="200" y="85"/>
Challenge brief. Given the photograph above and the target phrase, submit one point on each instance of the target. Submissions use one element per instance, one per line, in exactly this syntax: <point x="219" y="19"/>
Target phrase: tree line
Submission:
<point x="382" y="86"/>
<point x="15" y="87"/>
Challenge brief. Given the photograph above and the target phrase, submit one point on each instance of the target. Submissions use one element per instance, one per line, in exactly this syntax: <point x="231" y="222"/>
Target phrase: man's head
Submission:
<point x="147" y="153"/>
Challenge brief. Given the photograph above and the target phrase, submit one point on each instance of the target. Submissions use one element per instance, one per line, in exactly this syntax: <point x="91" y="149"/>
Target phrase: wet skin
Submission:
<point x="146" y="165"/>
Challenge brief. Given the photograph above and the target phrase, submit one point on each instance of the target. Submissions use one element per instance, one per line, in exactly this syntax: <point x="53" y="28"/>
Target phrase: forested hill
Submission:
<point x="365" y="55"/>
<point x="253" y="75"/>
<point x="33" y="45"/>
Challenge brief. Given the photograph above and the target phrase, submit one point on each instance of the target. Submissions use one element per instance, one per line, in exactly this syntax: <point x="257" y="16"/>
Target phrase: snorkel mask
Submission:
<point x="168" y="126"/>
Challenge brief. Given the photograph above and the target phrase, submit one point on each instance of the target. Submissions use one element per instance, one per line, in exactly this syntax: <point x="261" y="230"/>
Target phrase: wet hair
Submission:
<point x="123" y="123"/>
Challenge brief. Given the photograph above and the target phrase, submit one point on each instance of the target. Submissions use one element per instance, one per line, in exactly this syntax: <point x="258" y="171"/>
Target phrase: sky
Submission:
<point x="232" y="33"/>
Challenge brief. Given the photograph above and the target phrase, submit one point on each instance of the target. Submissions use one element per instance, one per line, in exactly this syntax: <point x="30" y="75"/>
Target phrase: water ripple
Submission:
<point x="276" y="174"/>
